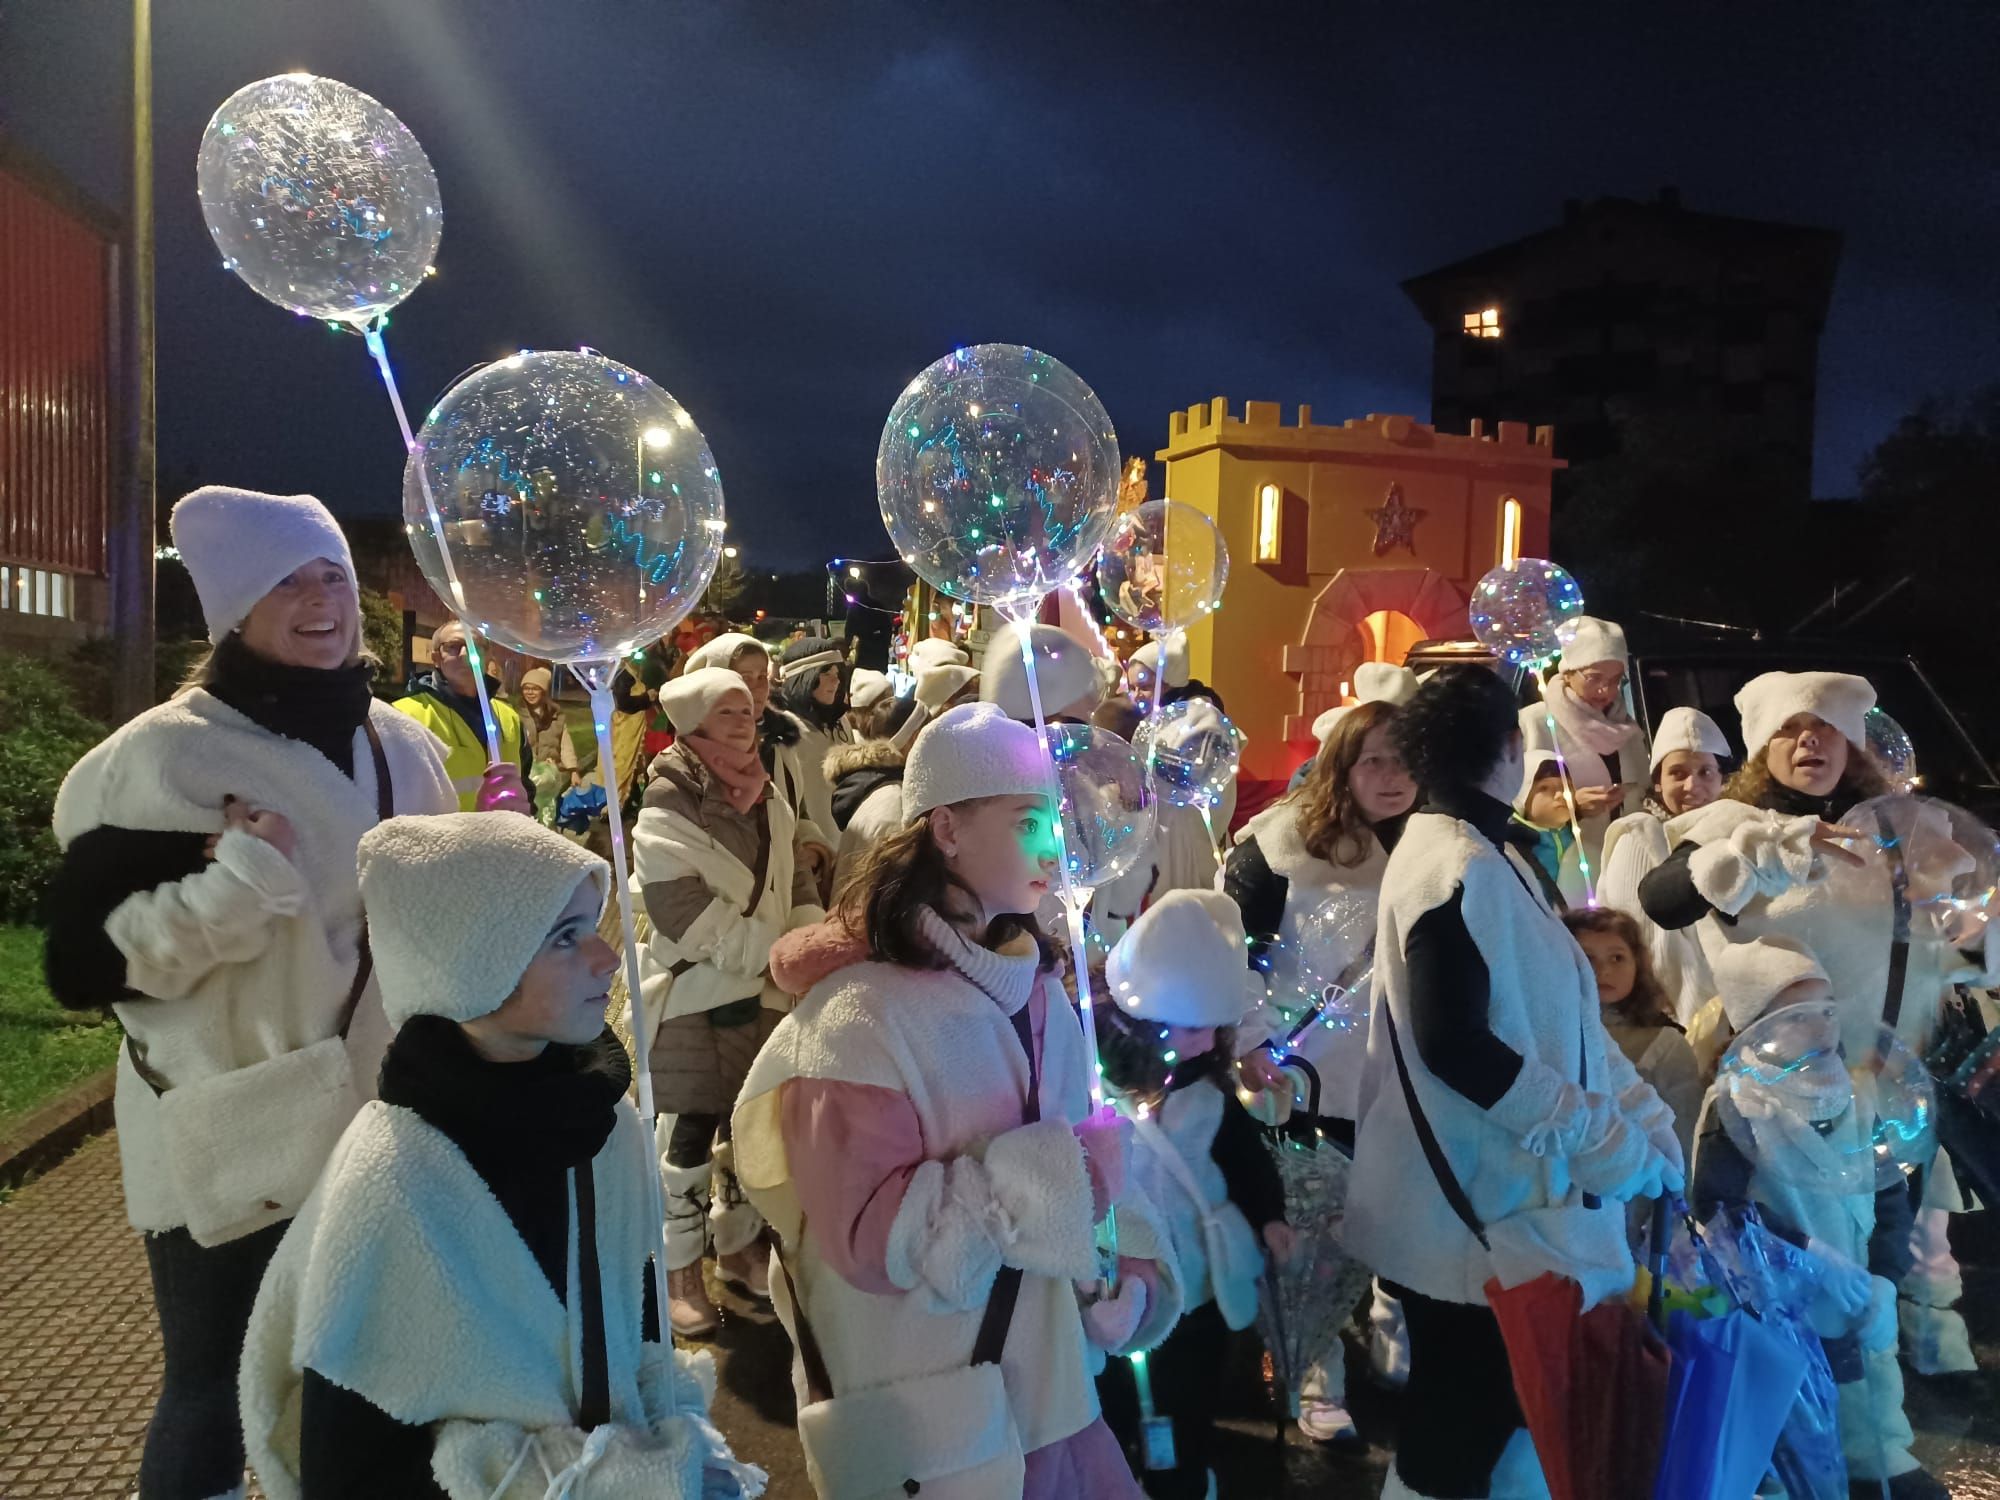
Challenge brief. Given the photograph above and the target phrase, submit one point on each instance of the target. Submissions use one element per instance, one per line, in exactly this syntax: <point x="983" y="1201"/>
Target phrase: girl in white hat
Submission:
<point x="1688" y="752"/>
<point x="1175" y="988"/>
<point x="207" y="894"/>
<point x="460" y="1310"/>
<point x="1603" y="749"/>
<point x="916" y="1131"/>
<point x="719" y="866"/>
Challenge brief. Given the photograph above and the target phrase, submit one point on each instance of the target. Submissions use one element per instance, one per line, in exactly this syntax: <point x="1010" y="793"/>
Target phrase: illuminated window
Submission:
<point x="1270" y="513"/>
<point x="1510" y="530"/>
<point x="1484" y="324"/>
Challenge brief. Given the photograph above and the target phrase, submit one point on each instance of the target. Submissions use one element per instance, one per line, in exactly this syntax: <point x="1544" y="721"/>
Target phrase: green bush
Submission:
<point x="42" y="734"/>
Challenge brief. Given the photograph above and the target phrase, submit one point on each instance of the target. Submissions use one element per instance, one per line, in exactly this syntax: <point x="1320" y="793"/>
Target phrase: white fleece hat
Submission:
<point x="1374" y="682"/>
<point x="718" y="652"/>
<point x="1688" y="729"/>
<point x="1839" y="698"/>
<point x="692" y="696"/>
<point x="1749" y="976"/>
<point x="1184" y="963"/>
<point x="458" y="905"/>
<point x="1065" y="671"/>
<point x="869" y="688"/>
<point x="238" y="545"/>
<point x="932" y="652"/>
<point x="937" y="686"/>
<point x="1148" y="656"/>
<point x="1588" y="641"/>
<point x="971" y="751"/>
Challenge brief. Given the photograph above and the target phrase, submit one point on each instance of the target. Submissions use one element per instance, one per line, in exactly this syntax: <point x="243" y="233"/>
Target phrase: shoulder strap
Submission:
<point x="763" y="862"/>
<point x="992" y="1338"/>
<point x="364" y="963"/>
<point x="1899" y="944"/>
<point x="1148" y="1130"/>
<point x="1447" y="1180"/>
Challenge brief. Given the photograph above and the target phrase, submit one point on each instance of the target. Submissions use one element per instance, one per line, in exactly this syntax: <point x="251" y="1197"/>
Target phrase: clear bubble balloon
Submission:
<point x="1163" y="567"/>
<point x="580" y="508"/>
<point x="1321" y="975"/>
<point x="1890" y="744"/>
<point x="319" y="197"/>
<point x="1946" y="860"/>
<point x="1191" y="751"/>
<point x="1785" y="1098"/>
<point x="1519" y="608"/>
<point x="997" y="475"/>
<point x="1107" y="804"/>
<point x="1893" y="1085"/>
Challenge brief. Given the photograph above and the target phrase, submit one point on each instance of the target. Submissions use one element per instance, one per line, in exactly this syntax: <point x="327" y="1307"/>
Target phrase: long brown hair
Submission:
<point x="1647" y="1005"/>
<point x="899" y="876"/>
<point x="1863" y="778"/>
<point x="1330" y="820"/>
<point x="1134" y="1063"/>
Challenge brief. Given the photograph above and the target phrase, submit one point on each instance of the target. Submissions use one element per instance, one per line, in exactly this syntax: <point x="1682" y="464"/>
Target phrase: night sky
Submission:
<point x="782" y="212"/>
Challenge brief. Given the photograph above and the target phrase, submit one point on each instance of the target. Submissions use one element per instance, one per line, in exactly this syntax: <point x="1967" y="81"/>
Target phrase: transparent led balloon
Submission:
<point x="997" y="474"/>
<point x="1893" y="1086"/>
<point x="1320" y="975"/>
<point x="1518" y="609"/>
<point x="1107" y="804"/>
<point x="1945" y="860"/>
<point x="1892" y="748"/>
<point x="1192" y="752"/>
<point x="580" y="508"/>
<point x="1163" y="567"/>
<point x="319" y="197"/>
<point x="1784" y="1096"/>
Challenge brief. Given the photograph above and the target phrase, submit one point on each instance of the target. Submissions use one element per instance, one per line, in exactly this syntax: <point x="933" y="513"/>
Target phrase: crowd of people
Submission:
<point x="375" y="1114"/>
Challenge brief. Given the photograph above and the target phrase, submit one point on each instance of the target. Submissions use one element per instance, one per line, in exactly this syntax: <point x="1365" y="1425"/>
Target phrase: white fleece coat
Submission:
<point x="253" y="956"/>
<point x="879" y="815"/>
<point x="731" y="952"/>
<point x="991" y="1189"/>
<point x="1215" y="1249"/>
<point x="1336" y="1052"/>
<point x="1543" y="1004"/>
<point x="404" y="1281"/>
<point x="1634" y="847"/>
<point x="814" y="798"/>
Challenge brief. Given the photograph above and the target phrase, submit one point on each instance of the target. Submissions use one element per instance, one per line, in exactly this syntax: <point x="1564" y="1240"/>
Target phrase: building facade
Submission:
<point x="1347" y="544"/>
<point x="1627" y="310"/>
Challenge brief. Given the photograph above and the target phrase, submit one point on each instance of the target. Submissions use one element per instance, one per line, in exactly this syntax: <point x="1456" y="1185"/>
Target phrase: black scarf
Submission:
<point x="555" y="1111"/>
<point x="323" y="707"/>
<point x="1779" y="798"/>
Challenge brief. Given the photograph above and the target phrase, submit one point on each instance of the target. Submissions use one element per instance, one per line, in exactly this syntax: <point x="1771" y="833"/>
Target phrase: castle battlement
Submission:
<point x="1262" y="425"/>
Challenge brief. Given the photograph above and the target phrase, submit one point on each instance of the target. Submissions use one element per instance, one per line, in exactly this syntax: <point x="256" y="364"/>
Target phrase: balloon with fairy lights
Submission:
<point x="1163" y="567"/>
<point x="1107" y="805"/>
<point x="997" y="475"/>
<point x="1943" y="866"/>
<point x="1318" y="975"/>
<point x="1893" y="749"/>
<point x="1518" y="610"/>
<point x="319" y="197"/>
<point x="1192" y="752"/>
<point x="565" y="504"/>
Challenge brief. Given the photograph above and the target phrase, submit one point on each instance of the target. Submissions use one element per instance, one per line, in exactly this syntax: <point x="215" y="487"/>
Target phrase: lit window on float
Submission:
<point x="1510" y="530"/>
<point x="1484" y="324"/>
<point x="1270" y="511"/>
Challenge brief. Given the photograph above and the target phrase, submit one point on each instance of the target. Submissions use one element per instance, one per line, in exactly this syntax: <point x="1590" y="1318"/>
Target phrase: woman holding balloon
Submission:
<point x="918" y="1131"/>
<point x="208" y="895"/>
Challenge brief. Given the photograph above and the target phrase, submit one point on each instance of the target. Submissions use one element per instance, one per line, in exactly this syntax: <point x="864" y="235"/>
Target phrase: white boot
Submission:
<point x="1388" y="1341"/>
<point x="687" y="1193"/>
<point x="1518" y="1475"/>
<point x="1875" y="1435"/>
<point x="1393" y="1487"/>
<point x="733" y="1221"/>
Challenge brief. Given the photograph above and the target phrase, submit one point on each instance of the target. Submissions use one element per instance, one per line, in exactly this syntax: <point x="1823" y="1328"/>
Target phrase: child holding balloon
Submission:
<point x="918" y="1130"/>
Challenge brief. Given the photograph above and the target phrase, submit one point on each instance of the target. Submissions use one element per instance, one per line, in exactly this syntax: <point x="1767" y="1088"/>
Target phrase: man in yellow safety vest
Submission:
<point x="445" y="701"/>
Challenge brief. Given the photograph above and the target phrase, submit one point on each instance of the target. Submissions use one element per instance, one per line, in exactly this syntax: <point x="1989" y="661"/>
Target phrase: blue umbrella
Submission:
<point x="1729" y="1393"/>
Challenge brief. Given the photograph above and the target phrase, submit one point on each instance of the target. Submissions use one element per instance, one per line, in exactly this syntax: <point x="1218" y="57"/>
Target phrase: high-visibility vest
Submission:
<point x="465" y="759"/>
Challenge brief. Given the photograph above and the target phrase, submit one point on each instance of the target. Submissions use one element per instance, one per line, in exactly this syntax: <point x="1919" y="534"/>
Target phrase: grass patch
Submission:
<point x="43" y="1048"/>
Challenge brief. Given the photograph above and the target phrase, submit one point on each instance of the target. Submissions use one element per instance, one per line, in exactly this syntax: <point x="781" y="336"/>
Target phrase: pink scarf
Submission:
<point x="1604" y="734"/>
<point x="741" y="773"/>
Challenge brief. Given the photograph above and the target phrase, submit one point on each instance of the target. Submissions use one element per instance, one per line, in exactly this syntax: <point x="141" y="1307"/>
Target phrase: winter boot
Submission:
<point x="1934" y="1336"/>
<point x="1388" y="1342"/>
<point x="1875" y="1435"/>
<point x="1327" y="1422"/>
<point x="734" y="1225"/>
<point x="689" y="1312"/>
<point x="1393" y="1487"/>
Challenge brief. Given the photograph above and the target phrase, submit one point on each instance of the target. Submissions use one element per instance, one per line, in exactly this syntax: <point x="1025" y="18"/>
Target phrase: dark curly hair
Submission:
<point x="1455" y="730"/>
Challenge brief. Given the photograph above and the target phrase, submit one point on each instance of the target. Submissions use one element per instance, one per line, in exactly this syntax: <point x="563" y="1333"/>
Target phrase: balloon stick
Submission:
<point x="372" y="335"/>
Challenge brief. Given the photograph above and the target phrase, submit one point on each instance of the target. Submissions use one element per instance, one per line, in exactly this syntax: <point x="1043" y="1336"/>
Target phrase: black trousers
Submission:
<point x="1188" y="1371"/>
<point x="194" y="1447"/>
<point x="1459" y="1410"/>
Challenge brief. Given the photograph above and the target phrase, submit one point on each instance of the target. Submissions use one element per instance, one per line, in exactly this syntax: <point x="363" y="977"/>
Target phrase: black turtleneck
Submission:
<point x="1667" y="893"/>
<point x="522" y="1127"/>
<point x="323" y="707"/>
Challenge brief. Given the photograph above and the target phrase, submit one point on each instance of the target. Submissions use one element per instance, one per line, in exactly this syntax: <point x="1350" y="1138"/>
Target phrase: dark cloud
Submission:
<point x="782" y="212"/>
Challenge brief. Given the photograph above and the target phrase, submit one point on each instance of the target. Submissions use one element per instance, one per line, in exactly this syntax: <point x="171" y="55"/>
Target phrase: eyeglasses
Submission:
<point x="1603" y="682"/>
<point x="448" y="648"/>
